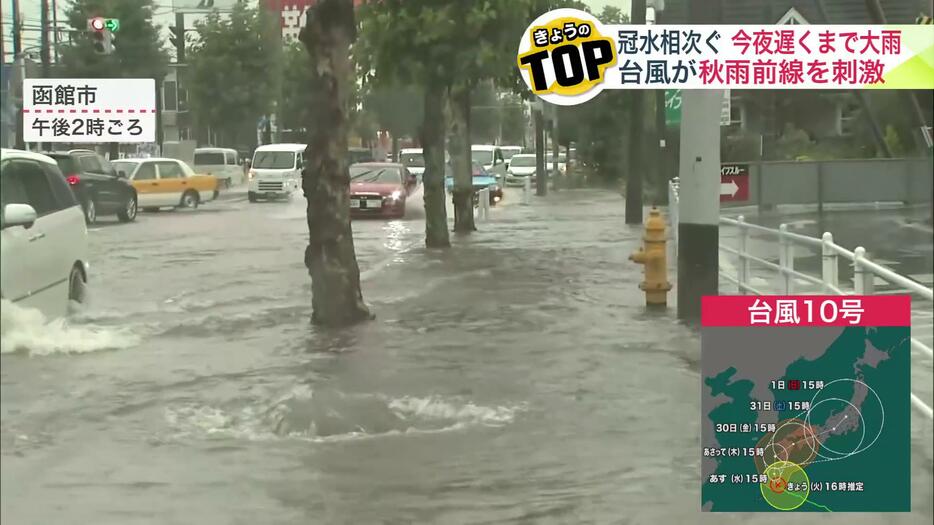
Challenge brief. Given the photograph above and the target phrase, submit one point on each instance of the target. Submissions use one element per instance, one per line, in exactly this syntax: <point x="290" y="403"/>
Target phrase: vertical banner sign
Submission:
<point x="734" y="182"/>
<point x="673" y="107"/>
<point x="805" y="403"/>
<point x="86" y="110"/>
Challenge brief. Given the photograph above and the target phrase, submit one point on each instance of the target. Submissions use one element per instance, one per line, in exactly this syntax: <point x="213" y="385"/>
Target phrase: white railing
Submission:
<point x="865" y="271"/>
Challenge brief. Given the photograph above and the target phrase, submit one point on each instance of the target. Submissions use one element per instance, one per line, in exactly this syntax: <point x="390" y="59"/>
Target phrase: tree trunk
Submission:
<point x="336" y="298"/>
<point x="432" y="142"/>
<point x="460" y="159"/>
<point x="395" y="148"/>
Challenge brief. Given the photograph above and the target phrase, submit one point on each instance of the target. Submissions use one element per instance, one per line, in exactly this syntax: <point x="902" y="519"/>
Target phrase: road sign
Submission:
<point x="672" y="107"/>
<point x="726" y="109"/>
<point x="734" y="182"/>
<point x="86" y="110"/>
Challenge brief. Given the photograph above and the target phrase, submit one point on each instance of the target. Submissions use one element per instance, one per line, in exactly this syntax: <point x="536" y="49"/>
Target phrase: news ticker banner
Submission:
<point x="805" y="404"/>
<point x="567" y="56"/>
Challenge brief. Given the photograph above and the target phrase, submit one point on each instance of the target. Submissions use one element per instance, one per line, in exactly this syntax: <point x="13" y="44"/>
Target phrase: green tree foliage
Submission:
<point x="395" y="108"/>
<point x="515" y="120"/>
<point x="139" y="50"/>
<point x="296" y="80"/>
<point x="233" y="72"/>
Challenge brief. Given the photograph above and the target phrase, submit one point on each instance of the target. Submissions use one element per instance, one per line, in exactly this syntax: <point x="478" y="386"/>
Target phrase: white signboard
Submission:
<point x="89" y="110"/>
<point x="726" y="110"/>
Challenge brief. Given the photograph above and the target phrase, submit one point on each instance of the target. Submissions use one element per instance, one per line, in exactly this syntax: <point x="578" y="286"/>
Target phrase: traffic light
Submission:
<point x="102" y="34"/>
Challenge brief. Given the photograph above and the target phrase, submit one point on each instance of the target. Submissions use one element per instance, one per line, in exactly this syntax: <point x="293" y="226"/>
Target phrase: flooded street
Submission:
<point x="514" y="378"/>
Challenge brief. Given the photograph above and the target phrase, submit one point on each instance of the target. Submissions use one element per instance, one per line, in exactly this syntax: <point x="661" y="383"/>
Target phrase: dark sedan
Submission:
<point x="99" y="188"/>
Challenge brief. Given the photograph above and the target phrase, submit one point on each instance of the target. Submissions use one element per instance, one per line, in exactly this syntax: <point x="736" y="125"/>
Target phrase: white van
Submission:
<point x="43" y="237"/>
<point x="276" y="171"/>
<point x="223" y="163"/>
<point x="491" y="157"/>
<point x="414" y="160"/>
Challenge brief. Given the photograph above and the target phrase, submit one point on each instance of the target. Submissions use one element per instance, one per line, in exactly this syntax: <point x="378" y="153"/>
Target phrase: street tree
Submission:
<point x="330" y="258"/>
<point x="233" y="73"/>
<point x="397" y="109"/>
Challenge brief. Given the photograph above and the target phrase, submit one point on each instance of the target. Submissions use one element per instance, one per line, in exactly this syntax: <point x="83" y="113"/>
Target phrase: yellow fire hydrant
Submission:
<point x="654" y="256"/>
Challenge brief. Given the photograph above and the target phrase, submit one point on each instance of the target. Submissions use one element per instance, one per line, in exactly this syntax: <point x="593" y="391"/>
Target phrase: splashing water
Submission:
<point x="27" y="330"/>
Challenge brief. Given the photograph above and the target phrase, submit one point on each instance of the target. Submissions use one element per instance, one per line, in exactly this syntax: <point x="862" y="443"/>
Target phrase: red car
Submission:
<point x="379" y="189"/>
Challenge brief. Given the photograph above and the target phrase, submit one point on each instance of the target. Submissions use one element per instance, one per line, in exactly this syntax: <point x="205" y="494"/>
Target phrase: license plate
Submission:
<point x="354" y="203"/>
<point x="373" y="204"/>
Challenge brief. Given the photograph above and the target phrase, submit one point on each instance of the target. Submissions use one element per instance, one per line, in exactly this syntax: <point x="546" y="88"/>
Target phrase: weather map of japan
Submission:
<point x="804" y="416"/>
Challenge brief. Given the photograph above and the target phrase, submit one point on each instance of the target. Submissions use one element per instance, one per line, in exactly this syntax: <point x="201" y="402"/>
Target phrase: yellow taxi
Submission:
<point x="161" y="182"/>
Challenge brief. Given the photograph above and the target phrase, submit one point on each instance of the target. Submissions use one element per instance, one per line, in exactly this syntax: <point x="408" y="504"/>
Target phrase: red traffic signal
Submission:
<point x="97" y="24"/>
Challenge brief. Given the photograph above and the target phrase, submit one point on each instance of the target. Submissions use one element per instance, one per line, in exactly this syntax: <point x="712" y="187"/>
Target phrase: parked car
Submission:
<point x="97" y="185"/>
<point x="509" y="152"/>
<point x="521" y="167"/>
<point x="491" y="158"/>
<point x="222" y="163"/>
<point x="380" y="189"/>
<point x="482" y="178"/>
<point x="276" y="171"/>
<point x="43" y="236"/>
<point x="161" y="183"/>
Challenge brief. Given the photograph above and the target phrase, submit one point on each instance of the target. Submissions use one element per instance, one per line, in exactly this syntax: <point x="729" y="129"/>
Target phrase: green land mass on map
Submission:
<point x="878" y="357"/>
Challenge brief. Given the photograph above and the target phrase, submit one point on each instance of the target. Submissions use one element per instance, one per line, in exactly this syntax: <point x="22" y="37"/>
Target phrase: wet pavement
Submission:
<point x="515" y="378"/>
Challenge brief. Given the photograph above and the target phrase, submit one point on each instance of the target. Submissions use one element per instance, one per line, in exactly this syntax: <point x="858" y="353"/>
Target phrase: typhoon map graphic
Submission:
<point x="808" y="419"/>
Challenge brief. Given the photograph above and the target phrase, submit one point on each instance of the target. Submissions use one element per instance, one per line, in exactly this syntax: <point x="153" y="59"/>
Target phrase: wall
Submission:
<point x="839" y="181"/>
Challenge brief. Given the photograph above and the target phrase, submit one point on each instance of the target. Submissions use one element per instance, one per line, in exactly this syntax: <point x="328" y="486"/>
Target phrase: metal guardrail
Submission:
<point x="865" y="270"/>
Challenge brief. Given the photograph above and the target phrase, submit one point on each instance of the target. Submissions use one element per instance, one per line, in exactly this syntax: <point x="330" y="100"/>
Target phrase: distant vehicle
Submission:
<point x="97" y="185"/>
<point x="482" y="178"/>
<point x="43" y="236"/>
<point x="380" y="189"/>
<point x="521" y="166"/>
<point x="223" y="163"/>
<point x="509" y="152"/>
<point x="162" y="183"/>
<point x="491" y="158"/>
<point x="276" y="171"/>
<point x="356" y="155"/>
<point x="414" y="160"/>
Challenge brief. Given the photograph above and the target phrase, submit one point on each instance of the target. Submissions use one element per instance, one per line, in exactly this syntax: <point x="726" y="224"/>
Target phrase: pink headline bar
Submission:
<point x="806" y="310"/>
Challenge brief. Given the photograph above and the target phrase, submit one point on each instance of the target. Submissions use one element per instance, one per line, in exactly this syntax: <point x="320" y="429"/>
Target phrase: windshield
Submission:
<point x="522" y="161"/>
<point x="379" y="174"/>
<point x="413" y="160"/>
<point x="274" y="160"/>
<point x="509" y="152"/>
<point x="483" y="157"/>
<point x="209" y="159"/>
<point x="125" y="166"/>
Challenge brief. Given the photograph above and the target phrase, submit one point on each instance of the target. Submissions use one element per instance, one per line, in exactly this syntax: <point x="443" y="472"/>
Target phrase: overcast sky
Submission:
<point x="31" y="10"/>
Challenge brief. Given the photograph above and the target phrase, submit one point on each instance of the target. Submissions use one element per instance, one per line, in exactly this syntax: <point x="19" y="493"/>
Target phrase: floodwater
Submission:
<point x="515" y="378"/>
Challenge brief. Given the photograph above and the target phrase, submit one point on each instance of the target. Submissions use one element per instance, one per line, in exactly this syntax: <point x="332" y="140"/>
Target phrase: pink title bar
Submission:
<point x="806" y="310"/>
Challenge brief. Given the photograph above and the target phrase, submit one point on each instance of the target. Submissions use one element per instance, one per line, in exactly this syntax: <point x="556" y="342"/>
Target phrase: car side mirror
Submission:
<point x="19" y="215"/>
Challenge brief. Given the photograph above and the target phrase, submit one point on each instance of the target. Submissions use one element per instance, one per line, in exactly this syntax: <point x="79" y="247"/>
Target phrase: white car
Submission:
<point x="491" y="158"/>
<point x="414" y="160"/>
<point x="223" y="163"/>
<point x="509" y="152"/>
<point x="276" y="171"/>
<point x="521" y="166"/>
<point x="43" y="236"/>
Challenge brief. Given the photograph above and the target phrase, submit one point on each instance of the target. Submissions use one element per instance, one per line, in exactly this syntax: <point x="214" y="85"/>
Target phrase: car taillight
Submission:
<point x="73" y="179"/>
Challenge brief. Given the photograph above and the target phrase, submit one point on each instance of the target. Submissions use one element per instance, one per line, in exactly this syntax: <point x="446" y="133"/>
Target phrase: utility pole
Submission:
<point x="661" y="136"/>
<point x="699" y="202"/>
<point x="55" y="28"/>
<point x="20" y="72"/>
<point x="541" y="177"/>
<point x="44" y="39"/>
<point x="636" y="158"/>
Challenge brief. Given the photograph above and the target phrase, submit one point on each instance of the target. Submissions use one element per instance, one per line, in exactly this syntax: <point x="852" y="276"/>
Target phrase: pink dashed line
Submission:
<point x="85" y="110"/>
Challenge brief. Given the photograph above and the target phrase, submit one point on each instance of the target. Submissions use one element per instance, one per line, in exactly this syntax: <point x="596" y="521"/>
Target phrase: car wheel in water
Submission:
<point x="77" y="288"/>
<point x="189" y="200"/>
<point x="90" y="211"/>
<point x="128" y="213"/>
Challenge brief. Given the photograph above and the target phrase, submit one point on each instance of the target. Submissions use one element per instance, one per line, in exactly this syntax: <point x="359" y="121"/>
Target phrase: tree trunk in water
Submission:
<point x="432" y="141"/>
<point x="460" y="160"/>
<point x="336" y="298"/>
